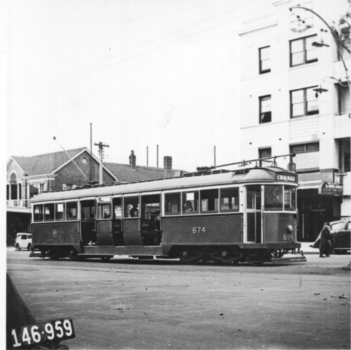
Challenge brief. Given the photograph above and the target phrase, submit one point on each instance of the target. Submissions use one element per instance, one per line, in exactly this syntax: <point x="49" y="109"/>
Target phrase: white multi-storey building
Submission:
<point x="286" y="53"/>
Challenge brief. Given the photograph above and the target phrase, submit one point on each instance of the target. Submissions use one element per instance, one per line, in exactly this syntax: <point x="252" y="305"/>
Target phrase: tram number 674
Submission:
<point x="199" y="229"/>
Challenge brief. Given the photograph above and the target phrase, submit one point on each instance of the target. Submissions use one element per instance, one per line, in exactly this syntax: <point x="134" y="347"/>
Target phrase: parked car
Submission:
<point x="23" y="241"/>
<point x="341" y="234"/>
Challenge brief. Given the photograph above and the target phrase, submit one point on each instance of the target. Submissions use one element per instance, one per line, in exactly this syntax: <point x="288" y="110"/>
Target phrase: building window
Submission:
<point x="66" y="187"/>
<point x="343" y="99"/>
<point x="302" y="51"/>
<point x="344" y="154"/>
<point x="265" y="59"/>
<point x="265" y="152"/>
<point x="303" y="102"/>
<point x="307" y="155"/>
<point x="84" y="160"/>
<point x="265" y="109"/>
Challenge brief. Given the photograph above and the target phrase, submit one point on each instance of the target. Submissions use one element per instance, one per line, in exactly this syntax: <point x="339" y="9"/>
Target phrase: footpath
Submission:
<point x="305" y="247"/>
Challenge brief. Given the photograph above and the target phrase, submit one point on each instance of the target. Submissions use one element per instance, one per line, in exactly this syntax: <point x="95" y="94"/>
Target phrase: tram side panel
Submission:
<point x="279" y="227"/>
<point x="214" y="230"/>
<point x="56" y="234"/>
<point x="104" y="233"/>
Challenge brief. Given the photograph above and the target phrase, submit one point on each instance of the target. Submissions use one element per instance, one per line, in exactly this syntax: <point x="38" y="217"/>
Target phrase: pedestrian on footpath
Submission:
<point x="325" y="245"/>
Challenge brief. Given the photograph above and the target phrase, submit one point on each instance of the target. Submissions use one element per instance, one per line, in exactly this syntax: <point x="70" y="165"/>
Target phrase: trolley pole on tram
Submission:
<point x="101" y="151"/>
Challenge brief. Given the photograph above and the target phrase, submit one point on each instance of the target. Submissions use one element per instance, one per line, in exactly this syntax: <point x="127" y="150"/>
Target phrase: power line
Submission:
<point x="139" y="46"/>
<point x="140" y="54"/>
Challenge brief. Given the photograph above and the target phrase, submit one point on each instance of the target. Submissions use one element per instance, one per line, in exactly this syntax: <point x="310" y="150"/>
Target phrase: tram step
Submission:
<point x="35" y="254"/>
<point x="289" y="259"/>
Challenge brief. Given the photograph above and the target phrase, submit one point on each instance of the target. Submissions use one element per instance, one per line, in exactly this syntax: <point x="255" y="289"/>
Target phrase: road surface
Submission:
<point x="162" y="304"/>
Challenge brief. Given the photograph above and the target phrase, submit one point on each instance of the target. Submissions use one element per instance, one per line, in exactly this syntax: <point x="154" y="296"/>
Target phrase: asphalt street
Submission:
<point x="162" y="304"/>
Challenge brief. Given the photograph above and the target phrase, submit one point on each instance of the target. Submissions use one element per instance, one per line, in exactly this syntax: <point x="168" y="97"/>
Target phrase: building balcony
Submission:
<point x="19" y="203"/>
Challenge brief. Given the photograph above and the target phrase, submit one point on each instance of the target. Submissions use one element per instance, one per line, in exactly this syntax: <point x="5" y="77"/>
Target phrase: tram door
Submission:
<point x="150" y="219"/>
<point x="88" y="222"/>
<point x="131" y="220"/>
<point x="117" y="212"/>
<point x="104" y="222"/>
<point x="253" y="214"/>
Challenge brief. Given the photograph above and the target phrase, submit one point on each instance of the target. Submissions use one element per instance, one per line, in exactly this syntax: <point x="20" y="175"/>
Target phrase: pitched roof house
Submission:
<point x="60" y="171"/>
<point x="27" y="176"/>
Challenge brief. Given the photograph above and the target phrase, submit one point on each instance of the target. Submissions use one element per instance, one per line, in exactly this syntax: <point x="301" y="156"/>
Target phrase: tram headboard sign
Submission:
<point x="286" y="177"/>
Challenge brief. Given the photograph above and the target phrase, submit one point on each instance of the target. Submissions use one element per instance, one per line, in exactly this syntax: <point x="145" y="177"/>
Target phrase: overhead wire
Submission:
<point x="139" y="54"/>
<point x="139" y="46"/>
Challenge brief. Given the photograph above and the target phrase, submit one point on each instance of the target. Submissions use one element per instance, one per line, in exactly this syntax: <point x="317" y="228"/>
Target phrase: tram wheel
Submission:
<point x="105" y="258"/>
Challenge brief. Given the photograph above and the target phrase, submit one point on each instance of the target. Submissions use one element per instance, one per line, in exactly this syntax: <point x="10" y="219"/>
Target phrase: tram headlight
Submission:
<point x="289" y="229"/>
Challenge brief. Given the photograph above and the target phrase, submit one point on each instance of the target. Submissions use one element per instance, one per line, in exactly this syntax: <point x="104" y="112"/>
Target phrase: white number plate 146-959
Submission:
<point x="52" y="331"/>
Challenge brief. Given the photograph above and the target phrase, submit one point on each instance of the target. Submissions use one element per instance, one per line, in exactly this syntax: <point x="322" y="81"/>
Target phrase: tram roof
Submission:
<point x="252" y="175"/>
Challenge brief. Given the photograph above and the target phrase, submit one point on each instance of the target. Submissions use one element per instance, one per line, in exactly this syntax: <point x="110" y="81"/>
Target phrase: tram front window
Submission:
<point x="273" y="197"/>
<point x="289" y="198"/>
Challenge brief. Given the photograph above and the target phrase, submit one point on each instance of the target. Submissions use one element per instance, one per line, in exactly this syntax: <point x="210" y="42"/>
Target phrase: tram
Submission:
<point x="223" y="216"/>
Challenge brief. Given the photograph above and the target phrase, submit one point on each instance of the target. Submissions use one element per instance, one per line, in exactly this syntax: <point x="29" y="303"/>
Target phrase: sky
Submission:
<point x="141" y="72"/>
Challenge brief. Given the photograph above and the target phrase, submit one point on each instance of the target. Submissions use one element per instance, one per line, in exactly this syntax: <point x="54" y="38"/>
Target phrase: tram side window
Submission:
<point x="117" y="208"/>
<point x="131" y="207"/>
<point x="172" y="203"/>
<point x="71" y="210"/>
<point x="273" y="197"/>
<point x="104" y="211"/>
<point x="209" y="201"/>
<point x="88" y="210"/>
<point x="230" y="199"/>
<point x="48" y="212"/>
<point x="150" y="207"/>
<point x="38" y="213"/>
<point x="289" y="197"/>
<point x="60" y="211"/>
<point x="190" y="202"/>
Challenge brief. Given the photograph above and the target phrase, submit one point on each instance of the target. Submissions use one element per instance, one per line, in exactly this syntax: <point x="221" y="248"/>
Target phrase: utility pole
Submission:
<point x="101" y="151"/>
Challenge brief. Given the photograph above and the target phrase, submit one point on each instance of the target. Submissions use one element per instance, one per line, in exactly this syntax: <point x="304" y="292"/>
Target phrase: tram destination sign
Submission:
<point x="286" y="177"/>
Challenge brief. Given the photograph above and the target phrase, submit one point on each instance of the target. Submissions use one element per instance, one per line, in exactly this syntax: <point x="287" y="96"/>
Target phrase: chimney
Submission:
<point x="167" y="164"/>
<point x="132" y="160"/>
<point x="167" y="161"/>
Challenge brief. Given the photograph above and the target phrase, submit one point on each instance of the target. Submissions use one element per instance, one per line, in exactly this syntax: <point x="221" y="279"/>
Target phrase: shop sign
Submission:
<point x="331" y="188"/>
